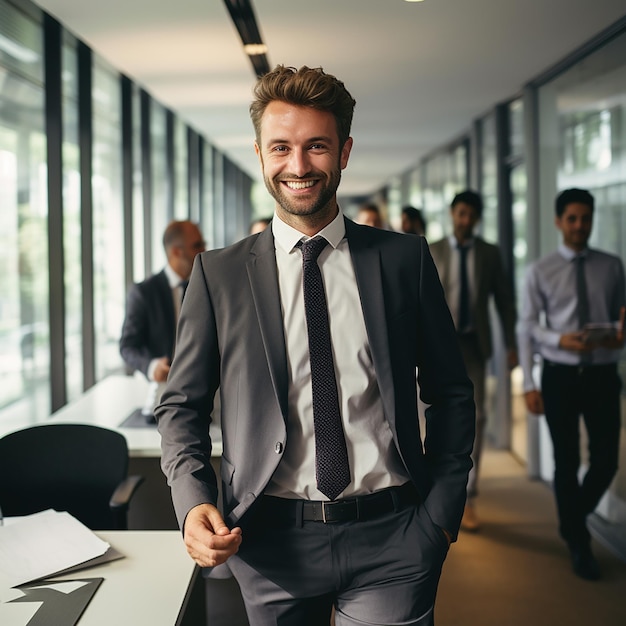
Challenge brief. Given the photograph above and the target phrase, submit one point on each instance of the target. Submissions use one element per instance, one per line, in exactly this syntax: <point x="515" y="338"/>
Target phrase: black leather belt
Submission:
<point x="580" y="366"/>
<point x="344" y="510"/>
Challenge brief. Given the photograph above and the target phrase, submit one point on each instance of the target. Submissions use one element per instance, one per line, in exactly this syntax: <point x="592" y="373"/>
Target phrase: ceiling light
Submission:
<point x="242" y="14"/>
<point x="255" y="48"/>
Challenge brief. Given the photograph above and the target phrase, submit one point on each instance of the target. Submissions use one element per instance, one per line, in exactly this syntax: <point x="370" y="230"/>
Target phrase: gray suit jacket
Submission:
<point x="231" y="335"/>
<point x="489" y="280"/>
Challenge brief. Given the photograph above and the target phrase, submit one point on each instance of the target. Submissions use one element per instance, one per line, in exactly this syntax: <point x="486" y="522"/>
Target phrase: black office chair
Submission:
<point x="78" y="468"/>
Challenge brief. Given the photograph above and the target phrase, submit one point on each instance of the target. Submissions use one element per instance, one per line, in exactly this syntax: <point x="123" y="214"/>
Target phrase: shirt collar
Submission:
<point x="568" y="254"/>
<point x="287" y="237"/>
<point x="468" y="243"/>
<point x="172" y="277"/>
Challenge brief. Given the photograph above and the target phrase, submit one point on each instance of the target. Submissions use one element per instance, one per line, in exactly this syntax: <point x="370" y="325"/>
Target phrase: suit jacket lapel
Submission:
<point x="367" y="268"/>
<point x="263" y="278"/>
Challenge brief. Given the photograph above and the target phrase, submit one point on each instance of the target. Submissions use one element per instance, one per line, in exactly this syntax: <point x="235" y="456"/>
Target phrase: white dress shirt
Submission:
<point x="549" y="306"/>
<point x="374" y="460"/>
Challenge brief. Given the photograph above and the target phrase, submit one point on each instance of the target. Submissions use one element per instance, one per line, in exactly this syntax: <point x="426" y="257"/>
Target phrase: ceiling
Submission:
<point x="420" y="72"/>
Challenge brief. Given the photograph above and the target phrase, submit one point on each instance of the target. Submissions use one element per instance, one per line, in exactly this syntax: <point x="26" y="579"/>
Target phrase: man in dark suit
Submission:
<point x="471" y="272"/>
<point x="360" y="520"/>
<point x="152" y="306"/>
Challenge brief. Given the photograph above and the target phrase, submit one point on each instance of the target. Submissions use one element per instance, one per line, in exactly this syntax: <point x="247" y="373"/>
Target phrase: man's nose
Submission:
<point x="299" y="163"/>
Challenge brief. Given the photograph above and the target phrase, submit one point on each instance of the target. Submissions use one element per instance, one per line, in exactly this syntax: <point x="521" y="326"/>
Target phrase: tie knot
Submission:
<point x="183" y="284"/>
<point x="312" y="248"/>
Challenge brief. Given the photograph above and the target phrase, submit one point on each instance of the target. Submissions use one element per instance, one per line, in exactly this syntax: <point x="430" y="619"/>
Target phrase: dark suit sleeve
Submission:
<point x="444" y="385"/>
<point x="135" y="338"/>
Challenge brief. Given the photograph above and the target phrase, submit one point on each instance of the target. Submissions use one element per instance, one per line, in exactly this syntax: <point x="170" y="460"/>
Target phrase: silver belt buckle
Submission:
<point x="331" y="503"/>
<point x="324" y="503"/>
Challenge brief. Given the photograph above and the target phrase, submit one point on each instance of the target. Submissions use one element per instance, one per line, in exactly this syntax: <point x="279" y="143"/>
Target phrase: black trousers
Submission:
<point x="593" y="392"/>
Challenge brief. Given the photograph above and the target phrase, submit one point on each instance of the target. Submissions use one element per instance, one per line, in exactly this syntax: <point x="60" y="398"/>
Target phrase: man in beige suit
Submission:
<point x="471" y="272"/>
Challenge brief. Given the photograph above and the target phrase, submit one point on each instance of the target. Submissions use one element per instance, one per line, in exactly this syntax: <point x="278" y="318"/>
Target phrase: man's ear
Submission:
<point x="345" y="153"/>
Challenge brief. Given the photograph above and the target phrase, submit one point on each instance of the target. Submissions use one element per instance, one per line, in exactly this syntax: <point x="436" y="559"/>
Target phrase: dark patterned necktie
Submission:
<point x="332" y="469"/>
<point x="464" y="298"/>
<point x="183" y="284"/>
<point x="582" y="302"/>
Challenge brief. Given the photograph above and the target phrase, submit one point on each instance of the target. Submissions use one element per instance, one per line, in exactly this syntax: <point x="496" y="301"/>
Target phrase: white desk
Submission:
<point x="107" y="404"/>
<point x="156" y="583"/>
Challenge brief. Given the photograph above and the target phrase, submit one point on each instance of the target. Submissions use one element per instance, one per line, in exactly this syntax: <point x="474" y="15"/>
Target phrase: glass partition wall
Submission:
<point x="67" y="214"/>
<point x="24" y="313"/>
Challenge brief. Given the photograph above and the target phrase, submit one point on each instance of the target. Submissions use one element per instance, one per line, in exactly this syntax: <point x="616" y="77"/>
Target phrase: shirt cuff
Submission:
<point x="151" y="368"/>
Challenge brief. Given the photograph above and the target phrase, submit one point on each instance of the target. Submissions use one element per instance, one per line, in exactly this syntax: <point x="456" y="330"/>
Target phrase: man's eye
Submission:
<point x="318" y="146"/>
<point x="279" y="149"/>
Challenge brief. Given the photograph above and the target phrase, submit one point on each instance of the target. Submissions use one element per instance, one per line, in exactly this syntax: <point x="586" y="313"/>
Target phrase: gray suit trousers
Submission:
<point x="381" y="571"/>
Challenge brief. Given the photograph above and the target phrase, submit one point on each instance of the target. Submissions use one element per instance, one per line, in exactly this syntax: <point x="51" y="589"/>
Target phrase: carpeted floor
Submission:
<point x="516" y="571"/>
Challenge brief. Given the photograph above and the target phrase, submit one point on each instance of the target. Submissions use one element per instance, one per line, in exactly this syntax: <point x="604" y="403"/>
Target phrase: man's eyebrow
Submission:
<point x="322" y="138"/>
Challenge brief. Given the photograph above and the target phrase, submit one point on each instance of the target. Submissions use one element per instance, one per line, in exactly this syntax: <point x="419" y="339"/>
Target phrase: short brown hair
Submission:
<point x="310" y="87"/>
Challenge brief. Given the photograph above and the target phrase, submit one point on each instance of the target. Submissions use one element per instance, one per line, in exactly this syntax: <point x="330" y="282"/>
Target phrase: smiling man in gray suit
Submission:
<point x="471" y="272"/>
<point x="313" y="330"/>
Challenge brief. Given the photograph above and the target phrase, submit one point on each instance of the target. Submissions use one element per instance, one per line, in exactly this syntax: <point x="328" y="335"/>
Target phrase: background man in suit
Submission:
<point x="152" y="306"/>
<point x="471" y="272"/>
<point x="572" y="287"/>
<point x="362" y="519"/>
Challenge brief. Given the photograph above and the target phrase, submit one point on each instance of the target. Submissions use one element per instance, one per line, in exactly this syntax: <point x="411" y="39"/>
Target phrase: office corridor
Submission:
<point x="516" y="570"/>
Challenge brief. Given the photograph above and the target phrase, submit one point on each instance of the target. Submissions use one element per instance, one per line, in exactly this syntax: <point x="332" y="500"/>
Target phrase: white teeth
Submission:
<point x="303" y="185"/>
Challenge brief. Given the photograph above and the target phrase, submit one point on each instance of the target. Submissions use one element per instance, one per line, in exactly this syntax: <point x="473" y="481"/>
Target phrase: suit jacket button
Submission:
<point x="278" y="448"/>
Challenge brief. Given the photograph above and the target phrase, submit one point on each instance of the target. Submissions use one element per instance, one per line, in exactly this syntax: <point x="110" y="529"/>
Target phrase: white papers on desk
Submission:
<point x="44" y="544"/>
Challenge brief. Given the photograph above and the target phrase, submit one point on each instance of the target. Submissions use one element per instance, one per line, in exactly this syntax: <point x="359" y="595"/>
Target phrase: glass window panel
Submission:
<point x="489" y="178"/>
<point x="435" y="202"/>
<point x="108" y="239"/>
<point x="24" y="319"/>
<point x="181" y="188"/>
<point x="159" y="214"/>
<point x="516" y="128"/>
<point x="520" y="225"/>
<point x="21" y="44"/>
<point x="72" y="270"/>
<point x="207" y="221"/>
<point x="139" y="251"/>
<point x="445" y="175"/>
